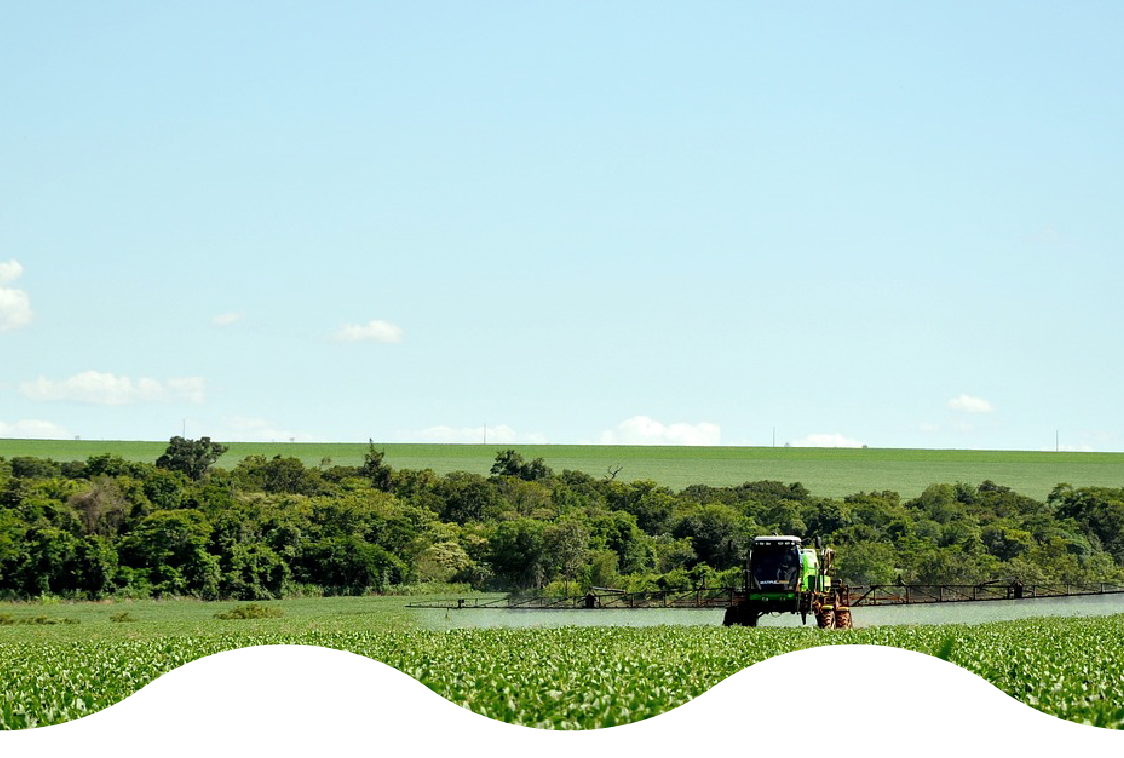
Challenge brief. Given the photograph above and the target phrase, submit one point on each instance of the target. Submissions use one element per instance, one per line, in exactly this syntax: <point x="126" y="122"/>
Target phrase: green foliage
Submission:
<point x="193" y="458"/>
<point x="565" y="545"/>
<point x="600" y="570"/>
<point x="348" y="565"/>
<point x="373" y="468"/>
<point x="652" y="506"/>
<point x="278" y="475"/>
<point x="252" y="572"/>
<point x="511" y="463"/>
<point x="110" y="526"/>
<point x="251" y="611"/>
<point x="444" y="562"/>
<point x="867" y="563"/>
<point x="617" y="531"/>
<point x="171" y="548"/>
<point x="718" y="534"/>
<point x="50" y="560"/>
<point x="467" y="497"/>
<point x="1099" y="511"/>
<point x="7" y="619"/>
<point x="516" y="552"/>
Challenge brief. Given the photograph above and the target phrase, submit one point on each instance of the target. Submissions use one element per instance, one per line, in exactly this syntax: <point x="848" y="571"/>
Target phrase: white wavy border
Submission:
<point x="840" y="700"/>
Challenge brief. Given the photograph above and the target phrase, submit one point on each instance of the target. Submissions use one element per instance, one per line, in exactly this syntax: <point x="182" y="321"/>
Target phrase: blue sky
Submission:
<point x="637" y="222"/>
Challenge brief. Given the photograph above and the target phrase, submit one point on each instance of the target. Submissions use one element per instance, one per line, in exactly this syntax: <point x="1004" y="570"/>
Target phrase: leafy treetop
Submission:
<point x="192" y="457"/>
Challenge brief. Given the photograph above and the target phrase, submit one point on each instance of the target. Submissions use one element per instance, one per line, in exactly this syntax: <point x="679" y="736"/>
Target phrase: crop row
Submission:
<point x="587" y="677"/>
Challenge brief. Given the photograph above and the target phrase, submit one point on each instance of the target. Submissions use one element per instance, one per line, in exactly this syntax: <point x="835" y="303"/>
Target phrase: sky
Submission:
<point x="724" y="224"/>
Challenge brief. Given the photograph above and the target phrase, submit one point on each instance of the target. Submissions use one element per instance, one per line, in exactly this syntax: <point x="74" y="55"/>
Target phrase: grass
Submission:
<point x="831" y="472"/>
<point x="121" y="620"/>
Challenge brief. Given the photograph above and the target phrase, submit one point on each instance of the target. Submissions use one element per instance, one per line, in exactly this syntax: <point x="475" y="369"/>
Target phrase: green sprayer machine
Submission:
<point x="784" y="576"/>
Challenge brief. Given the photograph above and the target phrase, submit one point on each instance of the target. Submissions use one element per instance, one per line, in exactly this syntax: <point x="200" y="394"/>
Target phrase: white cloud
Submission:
<point x="641" y="430"/>
<point x="500" y="435"/>
<point x="33" y="429"/>
<point x="102" y="388"/>
<point x="970" y="404"/>
<point x="189" y="388"/>
<point x="15" y="305"/>
<point x="930" y="427"/>
<point x="245" y="428"/>
<point x="372" y="331"/>
<point x="226" y="319"/>
<point x="826" y="440"/>
<point x="10" y="271"/>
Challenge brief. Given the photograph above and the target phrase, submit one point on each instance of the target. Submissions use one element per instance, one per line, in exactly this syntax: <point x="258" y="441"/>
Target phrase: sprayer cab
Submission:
<point x="782" y="576"/>
<point x="776" y="564"/>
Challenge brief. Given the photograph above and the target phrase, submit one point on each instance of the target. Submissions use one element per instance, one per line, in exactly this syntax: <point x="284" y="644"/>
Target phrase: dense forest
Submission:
<point x="273" y="527"/>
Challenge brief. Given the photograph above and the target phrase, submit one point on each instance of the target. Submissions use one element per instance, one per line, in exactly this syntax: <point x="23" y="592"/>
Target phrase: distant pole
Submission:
<point x="485" y="432"/>
<point x="185" y="428"/>
<point x="1057" y="442"/>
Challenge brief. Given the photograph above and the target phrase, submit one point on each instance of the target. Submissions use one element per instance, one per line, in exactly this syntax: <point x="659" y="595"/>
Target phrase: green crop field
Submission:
<point x="831" y="472"/>
<point x="553" y="677"/>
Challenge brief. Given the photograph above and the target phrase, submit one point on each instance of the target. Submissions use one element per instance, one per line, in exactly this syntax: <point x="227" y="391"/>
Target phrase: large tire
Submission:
<point x="826" y="619"/>
<point x="843" y="619"/>
<point x="740" y="616"/>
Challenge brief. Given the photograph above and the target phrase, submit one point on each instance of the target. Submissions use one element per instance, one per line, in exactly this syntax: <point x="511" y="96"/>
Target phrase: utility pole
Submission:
<point x="485" y="432"/>
<point x="774" y="436"/>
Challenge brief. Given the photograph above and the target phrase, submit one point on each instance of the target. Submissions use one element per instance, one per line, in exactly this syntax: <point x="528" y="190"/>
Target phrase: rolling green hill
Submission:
<point x="830" y="472"/>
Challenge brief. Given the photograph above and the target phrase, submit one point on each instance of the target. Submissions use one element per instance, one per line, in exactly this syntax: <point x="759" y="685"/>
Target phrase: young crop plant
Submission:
<point x="577" y="677"/>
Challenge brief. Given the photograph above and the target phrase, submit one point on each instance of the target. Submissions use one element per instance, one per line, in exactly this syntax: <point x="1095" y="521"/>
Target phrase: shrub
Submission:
<point x="251" y="611"/>
<point x="7" y="619"/>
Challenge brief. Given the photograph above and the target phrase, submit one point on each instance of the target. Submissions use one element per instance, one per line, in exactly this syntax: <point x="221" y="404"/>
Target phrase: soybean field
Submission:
<point x="553" y="678"/>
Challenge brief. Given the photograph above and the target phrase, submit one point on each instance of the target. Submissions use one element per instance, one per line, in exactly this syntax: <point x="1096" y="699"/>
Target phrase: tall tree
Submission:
<point x="511" y="463"/>
<point x="192" y="457"/>
<point x="374" y="469"/>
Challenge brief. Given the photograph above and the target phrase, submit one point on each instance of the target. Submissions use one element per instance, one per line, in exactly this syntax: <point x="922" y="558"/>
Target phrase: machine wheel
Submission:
<point x="843" y="619"/>
<point x="826" y="619"/>
<point x="740" y="616"/>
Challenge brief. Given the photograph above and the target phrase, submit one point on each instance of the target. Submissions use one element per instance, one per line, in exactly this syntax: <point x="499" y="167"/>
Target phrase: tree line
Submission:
<point x="273" y="527"/>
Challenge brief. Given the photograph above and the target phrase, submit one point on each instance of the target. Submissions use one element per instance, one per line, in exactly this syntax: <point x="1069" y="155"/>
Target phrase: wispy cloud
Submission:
<point x="102" y="388"/>
<point x="970" y="404"/>
<point x="33" y="429"/>
<point x="226" y="319"/>
<point x="826" y="440"/>
<point x="501" y="434"/>
<point x="15" y="305"/>
<point x="642" y="430"/>
<point x="259" y="430"/>
<point x="372" y="331"/>
<point x="190" y="388"/>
